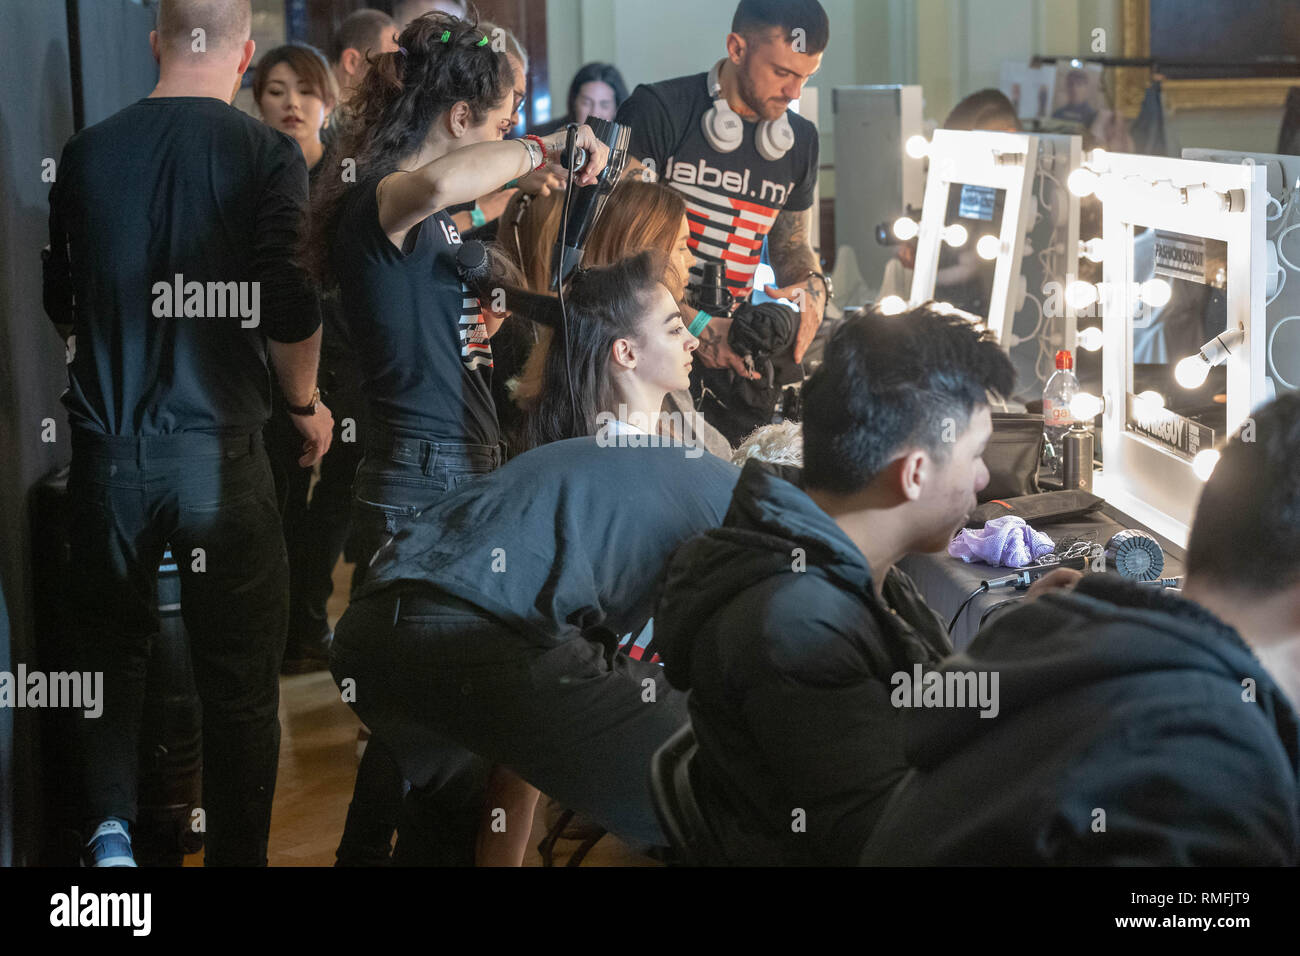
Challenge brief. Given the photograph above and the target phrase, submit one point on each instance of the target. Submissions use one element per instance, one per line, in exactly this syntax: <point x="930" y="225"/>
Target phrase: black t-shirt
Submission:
<point x="172" y="231"/>
<point x="568" y="536"/>
<point x="418" y="332"/>
<point x="733" y="198"/>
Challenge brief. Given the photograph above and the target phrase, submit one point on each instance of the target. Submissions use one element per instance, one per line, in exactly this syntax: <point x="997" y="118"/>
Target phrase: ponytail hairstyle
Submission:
<point x="392" y="111"/>
<point x="639" y="216"/>
<point x="604" y="304"/>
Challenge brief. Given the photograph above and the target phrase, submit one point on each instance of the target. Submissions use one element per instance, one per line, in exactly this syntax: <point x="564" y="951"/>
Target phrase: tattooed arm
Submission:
<point x="790" y="249"/>
<point x="715" y="350"/>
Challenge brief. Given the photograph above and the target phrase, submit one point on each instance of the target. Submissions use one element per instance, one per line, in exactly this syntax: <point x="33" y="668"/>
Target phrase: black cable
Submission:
<point x="984" y="586"/>
<point x="559" y="278"/>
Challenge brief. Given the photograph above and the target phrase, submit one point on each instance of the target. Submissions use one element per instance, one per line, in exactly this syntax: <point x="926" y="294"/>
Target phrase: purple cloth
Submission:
<point x="1003" y="542"/>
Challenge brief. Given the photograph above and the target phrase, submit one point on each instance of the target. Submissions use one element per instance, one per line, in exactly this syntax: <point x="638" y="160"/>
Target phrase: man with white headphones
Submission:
<point x="746" y="166"/>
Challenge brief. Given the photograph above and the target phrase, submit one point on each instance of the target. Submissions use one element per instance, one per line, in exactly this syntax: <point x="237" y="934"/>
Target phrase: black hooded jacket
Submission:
<point x="772" y="623"/>
<point x="1134" y="727"/>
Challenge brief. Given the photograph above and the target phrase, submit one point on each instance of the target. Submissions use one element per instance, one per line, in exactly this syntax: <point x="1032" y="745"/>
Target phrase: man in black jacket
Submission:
<point x="1135" y="726"/>
<point x="787" y="623"/>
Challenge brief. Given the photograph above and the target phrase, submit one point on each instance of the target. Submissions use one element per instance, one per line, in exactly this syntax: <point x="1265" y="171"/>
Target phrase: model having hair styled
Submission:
<point x="639" y="216"/>
<point x="627" y="348"/>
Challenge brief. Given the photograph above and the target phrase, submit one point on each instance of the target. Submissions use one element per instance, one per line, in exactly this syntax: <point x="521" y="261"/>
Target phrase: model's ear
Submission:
<point x="153" y="46"/>
<point x="623" y="353"/>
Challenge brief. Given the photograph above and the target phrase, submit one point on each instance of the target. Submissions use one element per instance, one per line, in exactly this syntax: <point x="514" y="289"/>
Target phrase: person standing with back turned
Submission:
<point x="171" y="232"/>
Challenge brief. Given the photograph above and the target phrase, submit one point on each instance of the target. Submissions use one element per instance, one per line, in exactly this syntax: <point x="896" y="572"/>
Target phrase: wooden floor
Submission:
<point x="318" y="764"/>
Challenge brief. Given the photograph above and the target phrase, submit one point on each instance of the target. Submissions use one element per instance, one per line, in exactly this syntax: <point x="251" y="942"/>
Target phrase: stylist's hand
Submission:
<point x="597" y="153"/>
<point x="715" y="350"/>
<point x="810" y="297"/>
<point x="1061" y="578"/>
<point x="543" y="182"/>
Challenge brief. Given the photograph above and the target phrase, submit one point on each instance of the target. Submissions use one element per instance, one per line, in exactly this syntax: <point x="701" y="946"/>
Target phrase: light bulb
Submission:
<point x="1156" y="292"/>
<point x="906" y="228"/>
<point x="1080" y="295"/>
<point x="988" y="247"/>
<point x="1204" y="462"/>
<point x="1084" y="407"/>
<point x="1191" y="372"/>
<point x="891" y="305"/>
<point x="955" y="235"/>
<point x="1082" y="182"/>
<point x="1152" y="398"/>
<point x="1099" y="159"/>
<point x="1092" y="250"/>
<point x="1090" y="339"/>
<point x="918" y="147"/>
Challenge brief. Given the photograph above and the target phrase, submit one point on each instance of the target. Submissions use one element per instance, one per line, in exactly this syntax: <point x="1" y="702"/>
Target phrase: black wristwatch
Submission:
<point x="309" y="408"/>
<point x="826" y="280"/>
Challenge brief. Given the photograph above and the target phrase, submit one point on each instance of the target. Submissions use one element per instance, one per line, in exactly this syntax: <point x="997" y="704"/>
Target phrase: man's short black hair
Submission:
<point x="360" y="30"/>
<point x="755" y="17"/>
<point x="890" y="382"/>
<point x="1246" y="536"/>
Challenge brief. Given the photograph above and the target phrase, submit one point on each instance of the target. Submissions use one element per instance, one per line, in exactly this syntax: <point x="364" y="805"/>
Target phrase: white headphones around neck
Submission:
<point x="725" y="131"/>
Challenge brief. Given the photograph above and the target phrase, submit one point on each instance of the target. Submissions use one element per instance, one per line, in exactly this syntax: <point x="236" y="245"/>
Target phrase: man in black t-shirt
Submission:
<point x="747" y="168"/>
<point x="171" y="232"/>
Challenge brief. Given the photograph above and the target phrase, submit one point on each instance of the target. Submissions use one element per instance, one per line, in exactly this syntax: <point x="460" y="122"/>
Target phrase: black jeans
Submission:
<point x="398" y="478"/>
<point x="212" y="500"/>
<point x="440" y="679"/>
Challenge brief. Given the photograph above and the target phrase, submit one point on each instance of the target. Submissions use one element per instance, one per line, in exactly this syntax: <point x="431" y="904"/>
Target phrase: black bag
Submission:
<point x="1012" y="456"/>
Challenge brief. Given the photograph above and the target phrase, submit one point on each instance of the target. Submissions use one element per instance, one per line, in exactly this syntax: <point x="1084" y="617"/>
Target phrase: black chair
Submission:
<point x="675" y="805"/>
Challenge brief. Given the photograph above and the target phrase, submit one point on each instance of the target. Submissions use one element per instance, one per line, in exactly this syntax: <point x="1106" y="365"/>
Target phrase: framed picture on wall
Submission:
<point x="1262" y="35"/>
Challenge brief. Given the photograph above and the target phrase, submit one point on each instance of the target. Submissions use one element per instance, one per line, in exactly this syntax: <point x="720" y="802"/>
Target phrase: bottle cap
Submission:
<point x="1064" y="359"/>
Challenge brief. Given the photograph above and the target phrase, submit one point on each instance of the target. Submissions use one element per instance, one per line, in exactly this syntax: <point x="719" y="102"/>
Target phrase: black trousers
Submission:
<point x="441" y="680"/>
<point x="213" y="500"/>
<point x="397" y="479"/>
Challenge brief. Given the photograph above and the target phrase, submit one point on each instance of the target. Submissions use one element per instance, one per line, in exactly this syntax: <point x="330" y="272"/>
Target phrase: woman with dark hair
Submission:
<point x="639" y="216"/>
<point x="597" y="90"/>
<point x="429" y="122"/>
<point x="295" y="93"/>
<point x="426" y="132"/>
<point x="628" y="347"/>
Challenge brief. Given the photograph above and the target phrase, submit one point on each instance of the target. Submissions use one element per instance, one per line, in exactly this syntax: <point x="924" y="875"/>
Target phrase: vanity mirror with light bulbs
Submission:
<point x="1182" y="299"/>
<point x="972" y="231"/>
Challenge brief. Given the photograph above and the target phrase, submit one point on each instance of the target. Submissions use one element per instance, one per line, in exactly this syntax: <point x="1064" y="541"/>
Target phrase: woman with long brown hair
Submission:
<point x="638" y="217"/>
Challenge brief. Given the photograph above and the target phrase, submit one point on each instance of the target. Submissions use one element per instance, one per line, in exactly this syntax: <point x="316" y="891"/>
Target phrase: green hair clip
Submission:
<point x="446" y="35"/>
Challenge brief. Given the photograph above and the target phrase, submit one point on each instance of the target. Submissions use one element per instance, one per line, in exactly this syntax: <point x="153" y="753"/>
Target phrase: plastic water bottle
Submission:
<point x="1057" y="395"/>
